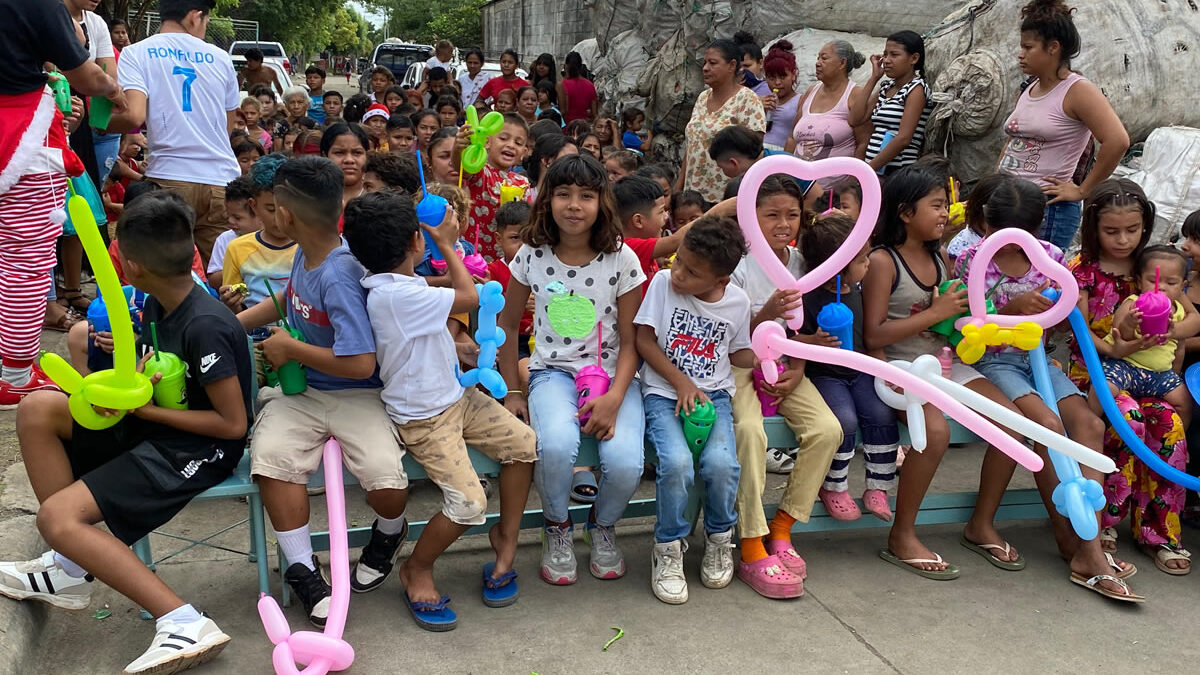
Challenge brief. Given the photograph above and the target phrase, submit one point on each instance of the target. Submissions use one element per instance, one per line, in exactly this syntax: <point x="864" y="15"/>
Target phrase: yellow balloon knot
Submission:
<point x="977" y="338"/>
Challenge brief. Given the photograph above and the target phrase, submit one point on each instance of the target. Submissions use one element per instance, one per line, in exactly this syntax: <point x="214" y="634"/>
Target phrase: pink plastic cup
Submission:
<point x="1156" y="312"/>
<point x="769" y="409"/>
<point x="591" y="382"/>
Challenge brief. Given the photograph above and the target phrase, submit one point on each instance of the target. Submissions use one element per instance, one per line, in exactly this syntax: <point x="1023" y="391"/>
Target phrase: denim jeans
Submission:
<point x="719" y="468"/>
<point x="1061" y="222"/>
<point x="108" y="147"/>
<point x="553" y="409"/>
<point x="857" y="407"/>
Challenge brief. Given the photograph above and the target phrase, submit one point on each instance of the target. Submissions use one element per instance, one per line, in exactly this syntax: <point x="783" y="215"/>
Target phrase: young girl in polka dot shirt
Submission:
<point x="587" y="286"/>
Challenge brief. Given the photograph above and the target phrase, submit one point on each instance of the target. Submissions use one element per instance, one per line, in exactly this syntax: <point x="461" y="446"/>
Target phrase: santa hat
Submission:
<point x="30" y="122"/>
<point x="376" y="110"/>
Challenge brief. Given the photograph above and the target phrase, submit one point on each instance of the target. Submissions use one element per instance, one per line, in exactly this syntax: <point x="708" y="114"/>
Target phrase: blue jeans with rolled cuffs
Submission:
<point x="552" y="411"/>
<point x="719" y="468"/>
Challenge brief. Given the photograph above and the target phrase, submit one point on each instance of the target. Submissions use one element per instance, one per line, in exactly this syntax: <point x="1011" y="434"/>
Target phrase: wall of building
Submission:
<point x="535" y="26"/>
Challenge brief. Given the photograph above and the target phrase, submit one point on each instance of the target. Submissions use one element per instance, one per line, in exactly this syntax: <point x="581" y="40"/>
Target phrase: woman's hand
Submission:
<point x="877" y="67"/>
<point x="1062" y="191"/>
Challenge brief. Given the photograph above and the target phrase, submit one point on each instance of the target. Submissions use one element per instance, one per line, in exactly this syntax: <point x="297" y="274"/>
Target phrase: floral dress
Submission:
<point x="1155" y="503"/>
<point x="743" y="108"/>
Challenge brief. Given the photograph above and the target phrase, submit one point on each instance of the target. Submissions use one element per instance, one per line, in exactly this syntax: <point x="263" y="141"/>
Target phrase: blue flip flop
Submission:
<point x="582" y="479"/>
<point x="432" y="616"/>
<point x="501" y="591"/>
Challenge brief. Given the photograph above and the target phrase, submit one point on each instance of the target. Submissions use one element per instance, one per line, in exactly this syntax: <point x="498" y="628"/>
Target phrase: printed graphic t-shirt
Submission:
<point x="328" y="305"/>
<point x="697" y="336"/>
<point x="190" y="85"/>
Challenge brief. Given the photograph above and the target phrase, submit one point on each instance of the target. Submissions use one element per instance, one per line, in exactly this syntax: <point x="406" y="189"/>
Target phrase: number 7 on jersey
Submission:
<point x="189" y="76"/>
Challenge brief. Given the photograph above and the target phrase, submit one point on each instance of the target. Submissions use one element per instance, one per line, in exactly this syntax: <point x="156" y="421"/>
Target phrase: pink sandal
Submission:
<point x="840" y="505"/>
<point x="787" y="555"/>
<point x="876" y="502"/>
<point x="770" y="579"/>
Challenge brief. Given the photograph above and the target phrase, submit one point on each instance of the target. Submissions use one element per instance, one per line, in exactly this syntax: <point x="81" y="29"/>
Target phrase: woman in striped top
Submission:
<point x="901" y="105"/>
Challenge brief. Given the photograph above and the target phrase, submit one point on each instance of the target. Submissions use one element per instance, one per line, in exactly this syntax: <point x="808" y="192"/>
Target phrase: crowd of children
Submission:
<point x="629" y="304"/>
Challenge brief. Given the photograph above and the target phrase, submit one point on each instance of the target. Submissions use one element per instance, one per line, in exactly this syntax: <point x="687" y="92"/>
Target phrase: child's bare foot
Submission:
<point x="505" y="548"/>
<point x="908" y="547"/>
<point x="418" y="583"/>
<point x="983" y="535"/>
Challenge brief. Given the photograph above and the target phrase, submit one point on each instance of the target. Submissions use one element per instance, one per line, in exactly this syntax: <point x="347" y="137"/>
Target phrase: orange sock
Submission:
<point x="781" y="526"/>
<point x="753" y="550"/>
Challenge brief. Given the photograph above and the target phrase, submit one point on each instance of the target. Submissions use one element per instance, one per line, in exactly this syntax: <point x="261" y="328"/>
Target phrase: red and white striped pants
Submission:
<point x="27" y="256"/>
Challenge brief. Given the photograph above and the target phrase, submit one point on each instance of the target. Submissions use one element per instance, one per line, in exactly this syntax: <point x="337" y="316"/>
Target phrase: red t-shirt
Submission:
<point x="497" y="84"/>
<point x="580" y="95"/>
<point x="498" y="271"/>
<point x="484" y="188"/>
<point x="644" y="248"/>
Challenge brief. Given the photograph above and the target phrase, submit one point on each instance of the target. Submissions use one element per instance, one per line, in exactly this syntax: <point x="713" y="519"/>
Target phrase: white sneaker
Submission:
<point x="44" y="580"/>
<point x="666" y="572"/>
<point x="179" y="647"/>
<point x="716" y="569"/>
<point x="778" y="461"/>
<point x="558" y="556"/>
<point x="607" y="560"/>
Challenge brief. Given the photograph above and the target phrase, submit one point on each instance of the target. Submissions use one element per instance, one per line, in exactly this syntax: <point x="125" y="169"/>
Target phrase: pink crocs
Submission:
<point x="770" y="578"/>
<point x="840" y="505"/>
<point x="787" y="555"/>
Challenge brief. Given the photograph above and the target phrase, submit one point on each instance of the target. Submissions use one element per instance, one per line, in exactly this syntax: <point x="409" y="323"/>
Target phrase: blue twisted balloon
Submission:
<point x="489" y="336"/>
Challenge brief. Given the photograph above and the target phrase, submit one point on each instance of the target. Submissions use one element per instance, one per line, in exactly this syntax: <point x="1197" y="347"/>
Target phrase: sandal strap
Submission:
<point x="501" y="581"/>
<point x="937" y="560"/>
<point x="1165" y="553"/>
<point x="438" y="606"/>
<point x="1108" y="577"/>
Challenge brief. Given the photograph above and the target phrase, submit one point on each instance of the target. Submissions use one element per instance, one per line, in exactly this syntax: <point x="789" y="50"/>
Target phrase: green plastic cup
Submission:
<point x="698" y="425"/>
<point x="100" y="113"/>
<point x="171" y="390"/>
<point x="292" y="378"/>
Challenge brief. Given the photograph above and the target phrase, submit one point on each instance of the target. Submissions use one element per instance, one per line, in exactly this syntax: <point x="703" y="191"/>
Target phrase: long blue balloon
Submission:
<point x="1076" y="497"/>
<point x="1192" y="378"/>
<point x="1083" y="337"/>
<point x="489" y="336"/>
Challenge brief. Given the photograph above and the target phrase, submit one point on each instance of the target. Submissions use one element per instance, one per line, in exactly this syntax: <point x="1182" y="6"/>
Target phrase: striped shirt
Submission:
<point x="886" y="117"/>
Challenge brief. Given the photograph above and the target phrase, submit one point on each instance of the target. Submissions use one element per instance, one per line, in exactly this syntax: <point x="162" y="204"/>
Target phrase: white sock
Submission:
<point x="74" y="571"/>
<point x="180" y="616"/>
<point x="390" y="526"/>
<point x="297" y="546"/>
<point x="16" y="376"/>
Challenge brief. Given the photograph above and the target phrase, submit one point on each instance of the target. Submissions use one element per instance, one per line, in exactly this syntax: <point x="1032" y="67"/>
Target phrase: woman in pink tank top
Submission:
<point x="1055" y="120"/>
<point x="581" y="93"/>
<point x="822" y="128"/>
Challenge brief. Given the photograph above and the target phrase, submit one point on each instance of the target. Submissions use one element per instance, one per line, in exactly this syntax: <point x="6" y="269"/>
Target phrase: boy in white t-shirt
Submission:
<point x="185" y="92"/>
<point x="434" y="415"/>
<point x="692" y="325"/>
<point x="443" y="56"/>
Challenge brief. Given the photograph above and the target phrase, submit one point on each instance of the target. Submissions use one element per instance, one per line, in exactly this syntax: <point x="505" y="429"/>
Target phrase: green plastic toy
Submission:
<point x="697" y="426"/>
<point x="946" y="326"/>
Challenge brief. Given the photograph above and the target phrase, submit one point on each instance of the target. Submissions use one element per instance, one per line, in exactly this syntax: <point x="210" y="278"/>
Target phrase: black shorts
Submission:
<point x="134" y="480"/>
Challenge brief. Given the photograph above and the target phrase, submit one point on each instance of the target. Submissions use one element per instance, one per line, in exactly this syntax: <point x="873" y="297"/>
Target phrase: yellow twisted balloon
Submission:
<point x="977" y="338"/>
<point x="123" y="388"/>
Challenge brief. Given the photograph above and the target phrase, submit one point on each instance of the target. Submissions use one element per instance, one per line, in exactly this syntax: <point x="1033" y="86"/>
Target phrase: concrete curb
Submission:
<point x="21" y="623"/>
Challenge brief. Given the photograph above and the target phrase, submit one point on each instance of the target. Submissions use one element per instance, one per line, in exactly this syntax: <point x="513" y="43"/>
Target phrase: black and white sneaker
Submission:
<point x="44" y="580"/>
<point x="312" y="589"/>
<point x="178" y="647"/>
<point x="377" y="559"/>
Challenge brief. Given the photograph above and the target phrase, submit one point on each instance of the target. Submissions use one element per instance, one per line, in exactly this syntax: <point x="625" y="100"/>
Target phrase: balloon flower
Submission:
<point x="122" y="388"/>
<point x="475" y="154"/>
<point x="489" y="336"/>
<point x="323" y="652"/>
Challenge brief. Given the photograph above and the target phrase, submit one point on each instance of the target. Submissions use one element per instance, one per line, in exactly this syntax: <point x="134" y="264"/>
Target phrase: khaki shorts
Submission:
<point x="440" y="445"/>
<point x="290" y="432"/>
<point x="208" y="201"/>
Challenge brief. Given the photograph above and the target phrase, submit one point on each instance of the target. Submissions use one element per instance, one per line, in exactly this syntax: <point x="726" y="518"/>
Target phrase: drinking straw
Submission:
<point x="154" y="337"/>
<point x="839" y="289"/>
<point x="275" y="301"/>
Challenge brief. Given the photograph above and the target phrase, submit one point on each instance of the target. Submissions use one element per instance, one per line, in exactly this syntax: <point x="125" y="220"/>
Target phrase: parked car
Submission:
<point x="492" y="69"/>
<point x="396" y="56"/>
<point x="239" y="64"/>
<point x="272" y="51"/>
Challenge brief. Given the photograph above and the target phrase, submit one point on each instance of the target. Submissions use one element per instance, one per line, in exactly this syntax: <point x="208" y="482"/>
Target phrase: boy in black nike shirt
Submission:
<point x="137" y="474"/>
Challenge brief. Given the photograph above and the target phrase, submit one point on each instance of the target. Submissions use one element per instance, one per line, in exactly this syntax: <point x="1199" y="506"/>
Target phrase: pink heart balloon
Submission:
<point x="1041" y="261"/>
<point x="794" y="166"/>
